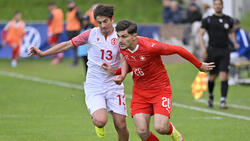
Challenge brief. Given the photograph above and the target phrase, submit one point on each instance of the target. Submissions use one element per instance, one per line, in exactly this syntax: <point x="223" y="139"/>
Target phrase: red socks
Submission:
<point x="152" y="137"/>
<point x="170" y="130"/>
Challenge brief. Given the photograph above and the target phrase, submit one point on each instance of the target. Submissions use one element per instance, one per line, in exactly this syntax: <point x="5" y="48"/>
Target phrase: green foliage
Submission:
<point x="140" y="10"/>
<point x="36" y="111"/>
<point x="245" y="22"/>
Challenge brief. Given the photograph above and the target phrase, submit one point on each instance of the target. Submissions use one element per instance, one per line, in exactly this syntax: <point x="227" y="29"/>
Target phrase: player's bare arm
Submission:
<point x="124" y="70"/>
<point x="55" y="49"/>
<point x="203" y="48"/>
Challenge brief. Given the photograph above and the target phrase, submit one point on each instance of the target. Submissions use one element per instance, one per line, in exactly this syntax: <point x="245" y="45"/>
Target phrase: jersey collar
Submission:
<point x="133" y="51"/>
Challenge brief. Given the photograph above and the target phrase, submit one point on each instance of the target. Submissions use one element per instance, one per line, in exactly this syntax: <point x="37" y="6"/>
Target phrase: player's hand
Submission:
<point x="236" y="46"/>
<point x="205" y="67"/>
<point x="204" y="55"/>
<point x="36" y="51"/>
<point x="108" y="68"/>
<point x="118" y="79"/>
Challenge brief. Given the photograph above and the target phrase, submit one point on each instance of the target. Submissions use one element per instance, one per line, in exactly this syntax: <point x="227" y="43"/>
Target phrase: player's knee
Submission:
<point x="100" y="121"/>
<point x="161" y="129"/>
<point x="142" y="131"/>
<point x="121" y="126"/>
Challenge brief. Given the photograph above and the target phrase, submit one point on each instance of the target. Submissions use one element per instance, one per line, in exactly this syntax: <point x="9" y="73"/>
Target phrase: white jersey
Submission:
<point x="100" y="49"/>
<point x="100" y="90"/>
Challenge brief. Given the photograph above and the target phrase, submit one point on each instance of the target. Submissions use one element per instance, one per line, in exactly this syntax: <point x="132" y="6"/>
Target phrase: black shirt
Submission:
<point x="218" y="28"/>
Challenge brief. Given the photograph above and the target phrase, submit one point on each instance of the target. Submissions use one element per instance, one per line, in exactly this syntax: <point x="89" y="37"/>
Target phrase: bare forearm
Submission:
<point x="202" y="42"/>
<point x="232" y="37"/>
<point x="125" y="67"/>
<point x="59" y="48"/>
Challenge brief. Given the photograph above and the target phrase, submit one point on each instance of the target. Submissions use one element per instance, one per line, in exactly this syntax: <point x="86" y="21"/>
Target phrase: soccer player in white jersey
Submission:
<point x="102" y="95"/>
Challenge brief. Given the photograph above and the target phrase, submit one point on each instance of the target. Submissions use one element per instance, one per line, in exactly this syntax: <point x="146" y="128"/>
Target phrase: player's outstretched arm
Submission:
<point x="54" y="50"/>
<point x="205" y="67"/>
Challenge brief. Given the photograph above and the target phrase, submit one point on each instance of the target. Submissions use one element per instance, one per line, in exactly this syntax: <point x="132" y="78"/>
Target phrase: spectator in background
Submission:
<point x="193" y="13"/>
<point x="243" y="52"/>
<point x="12" y="34"/>
<point x="73" y="25"/>
<point x="207" y="10"/>
<point x="82" y="50"/>
<point x="172" y="12"/>
<point x="90" y="13"/>
<point x="55" y="29"/>
<point x="191" y="31"/>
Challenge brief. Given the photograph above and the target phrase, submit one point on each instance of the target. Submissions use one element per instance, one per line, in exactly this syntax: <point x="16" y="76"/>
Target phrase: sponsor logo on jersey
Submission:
<point x="97" y="39"/>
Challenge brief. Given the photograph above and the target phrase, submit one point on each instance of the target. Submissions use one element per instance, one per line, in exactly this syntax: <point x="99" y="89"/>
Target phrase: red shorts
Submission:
<point x="53" y="39"/>
<point x="158" y="101"/>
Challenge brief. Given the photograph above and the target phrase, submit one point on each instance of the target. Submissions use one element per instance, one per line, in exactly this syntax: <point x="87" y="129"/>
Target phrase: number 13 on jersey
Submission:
<point x="106" y="54"/>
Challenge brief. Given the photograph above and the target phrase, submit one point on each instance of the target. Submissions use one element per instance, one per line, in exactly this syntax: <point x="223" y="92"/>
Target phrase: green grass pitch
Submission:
<point x="35" y="105"/>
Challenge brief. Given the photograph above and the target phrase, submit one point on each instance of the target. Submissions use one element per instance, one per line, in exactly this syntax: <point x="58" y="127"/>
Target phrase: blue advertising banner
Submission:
<point x="36" y="35"/>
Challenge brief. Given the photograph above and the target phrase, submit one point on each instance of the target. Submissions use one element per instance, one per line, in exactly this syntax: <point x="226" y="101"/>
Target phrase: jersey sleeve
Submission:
<point x="204" y="23"/>
<point x="81" y="38"/>
<point x="166" y="49"/>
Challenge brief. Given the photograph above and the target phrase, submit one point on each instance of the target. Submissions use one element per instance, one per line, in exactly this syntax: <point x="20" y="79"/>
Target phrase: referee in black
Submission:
<point x="219" y="29"/>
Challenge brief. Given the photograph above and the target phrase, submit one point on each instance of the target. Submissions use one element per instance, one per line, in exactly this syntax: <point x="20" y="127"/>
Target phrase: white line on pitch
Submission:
<point x="230" y="105"/>
<point x="69" y="85"/>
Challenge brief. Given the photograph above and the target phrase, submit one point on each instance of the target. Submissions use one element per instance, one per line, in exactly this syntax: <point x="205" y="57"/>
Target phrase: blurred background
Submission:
<point x="42" y="100"/>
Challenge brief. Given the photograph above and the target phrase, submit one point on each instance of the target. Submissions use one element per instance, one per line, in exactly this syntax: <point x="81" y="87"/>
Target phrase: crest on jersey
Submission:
<point x="97" y="39"/>
<point x="142" y="58"/>
<point x="114" y="41"/>
<point x="226" y="25"/>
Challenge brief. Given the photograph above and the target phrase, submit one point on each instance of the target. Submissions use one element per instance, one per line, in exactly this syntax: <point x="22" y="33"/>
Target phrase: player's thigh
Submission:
<point x="142" y="121"/>
<point x="116" y="102"/>
<point x="161" y="121"/>
<point x="119" y="120"/>
<point x="94" y="100"/>
<point x="100" y="116"/>
<point x="163" y="101"/>
<point x="140" y="104"/>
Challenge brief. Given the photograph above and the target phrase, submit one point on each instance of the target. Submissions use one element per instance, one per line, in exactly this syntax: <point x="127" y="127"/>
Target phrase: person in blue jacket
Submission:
<point x="243" y="52"/>
<point x="82" y="50"/>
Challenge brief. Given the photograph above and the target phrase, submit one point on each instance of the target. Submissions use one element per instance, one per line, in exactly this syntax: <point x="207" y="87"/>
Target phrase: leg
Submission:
<point x="15" y="54"/>
<point x="100" y="118"/>
<point x="211" y="80"/>
<point x="141" y="121"/>
<point x="224" y="89"/>
<point x="164" y="127"/>
<point x="161" y="124"/>
<point x="120" y="126"/>
<point x="224" y="64"/>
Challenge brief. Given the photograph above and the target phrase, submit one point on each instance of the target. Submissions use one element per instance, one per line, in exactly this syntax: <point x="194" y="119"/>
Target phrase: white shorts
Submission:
<point x="112" y="99"/>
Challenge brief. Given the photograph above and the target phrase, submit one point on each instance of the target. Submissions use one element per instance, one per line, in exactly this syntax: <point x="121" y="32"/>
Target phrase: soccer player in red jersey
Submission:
<point x="152" y="94"/>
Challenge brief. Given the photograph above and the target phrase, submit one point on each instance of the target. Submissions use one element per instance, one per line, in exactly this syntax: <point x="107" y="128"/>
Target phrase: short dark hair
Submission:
<point x="17" y="12"/>
<point x="128" y="25"/>
<point x="52" y="3"/>
<point x="104" y="10"/>
<point x="220" y="1"/>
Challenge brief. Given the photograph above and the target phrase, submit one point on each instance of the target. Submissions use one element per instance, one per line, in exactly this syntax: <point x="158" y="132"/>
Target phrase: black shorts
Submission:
<point x="221" y="58"/>
<point x="72" y="34"/>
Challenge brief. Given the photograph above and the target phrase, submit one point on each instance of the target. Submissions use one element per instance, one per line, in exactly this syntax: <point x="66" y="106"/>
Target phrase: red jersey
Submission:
<point x="146" y="64"/>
